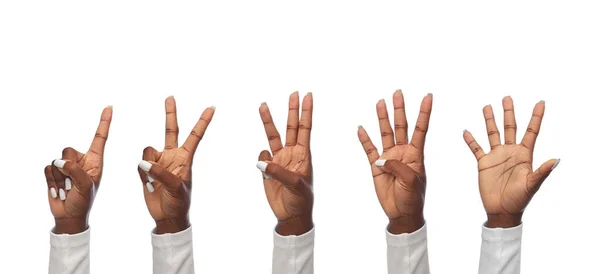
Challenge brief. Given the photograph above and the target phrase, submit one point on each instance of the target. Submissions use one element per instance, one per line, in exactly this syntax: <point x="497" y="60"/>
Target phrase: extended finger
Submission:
<point x="305" y="126"/>
<point x="52" y="188"/>
<point x="473" y="145"/>
<point x="191" y="143"/>
<point x="422" y="125"/>
<point x="492" y="129"/>
<point x="400" y="123"/>
<point x="270" y="129"/>
<point x="367" y="145"/>
<point x="171" y="127"/>
<point x="387" y="136"/>
<point x="533" y="129"/>
<point x="101" y="136"/>
<point x="536" y="178"/>
<point x="291" y="135"/>
<point x="510" y="123"/>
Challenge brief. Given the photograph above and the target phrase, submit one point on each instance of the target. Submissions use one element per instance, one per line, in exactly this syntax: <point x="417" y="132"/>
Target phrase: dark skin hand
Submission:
<point x="74" y="179"/>
<point x="167" y="175"/>
<point x="399" y="172"/>
<point x="288" y="174"/>
<point x="507" y="181"/>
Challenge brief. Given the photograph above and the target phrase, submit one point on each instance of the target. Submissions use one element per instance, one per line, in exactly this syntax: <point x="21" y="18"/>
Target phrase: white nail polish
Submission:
<point x="68" y="183"/>
<point x="150" y="187"/>
<point x="213" y="107"/>
<point x="266" y="177"/>
<point x="150" y="179"/>
<point x="262" y="166"/>
<point x="555" y="164"/>
<point x="53" y="193"/>
<point x="380" y="163"/>
<point x="145" y="166"/>
<point x="59" y="163"/>
<point x="62" y="194"/>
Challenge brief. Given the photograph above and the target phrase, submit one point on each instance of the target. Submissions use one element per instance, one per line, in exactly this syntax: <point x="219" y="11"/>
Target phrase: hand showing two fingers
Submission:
<point x="287" y="175"/>
<point x="74" y="180"/>
<point x="167" y="175"/>
<point x="399" y="172"/>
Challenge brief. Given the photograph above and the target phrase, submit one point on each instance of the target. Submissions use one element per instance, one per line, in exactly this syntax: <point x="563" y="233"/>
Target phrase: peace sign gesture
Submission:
<point x="167" y="175"/>
<point x="507" y="181"/>
<point x="74" y="179"/>
<point x="399" y="173"/>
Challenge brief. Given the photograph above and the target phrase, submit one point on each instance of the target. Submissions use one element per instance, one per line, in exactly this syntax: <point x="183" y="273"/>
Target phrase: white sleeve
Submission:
<point x="407" y="252"/>
<point x="172" y="253"/>
<point x="500" y="250"/>
<point x="294" y="254"/>
<point x="69" y="253"/>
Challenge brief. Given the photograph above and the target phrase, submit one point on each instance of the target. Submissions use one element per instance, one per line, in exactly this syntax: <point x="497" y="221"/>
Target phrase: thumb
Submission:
<point x="265" y="156"/>
<point x="71" y="169"/>
<point x="398" y="169"/>
<point x="537" y="177"/>
<point x="165" y="177"/>
<point x="289" y="179"/>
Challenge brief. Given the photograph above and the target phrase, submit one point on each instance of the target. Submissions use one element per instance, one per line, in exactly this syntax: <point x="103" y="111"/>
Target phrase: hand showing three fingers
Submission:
<point x="74" y="180"/>
<point x="287" y="175"/>
<point x="507" y="181"/>
<point x="399" y="173"/>
<point x="167" y="175"/>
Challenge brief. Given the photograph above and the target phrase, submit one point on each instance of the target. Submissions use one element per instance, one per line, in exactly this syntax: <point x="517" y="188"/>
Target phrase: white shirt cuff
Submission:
<point x="501" y="234"/>
<point x="172" y="239"/>
<point x="406" y="239"/>
<point x="292" y="241"/>
<point x="69" y="240"/>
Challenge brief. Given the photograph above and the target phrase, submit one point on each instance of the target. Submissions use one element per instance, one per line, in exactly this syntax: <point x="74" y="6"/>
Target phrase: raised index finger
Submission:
<point x="191" y="143"/>
<point x="101" y="136"/>
<point x="172" y="129"/>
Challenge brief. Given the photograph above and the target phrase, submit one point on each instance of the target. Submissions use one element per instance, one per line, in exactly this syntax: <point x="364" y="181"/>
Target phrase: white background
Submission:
<point x="61" y="62"/>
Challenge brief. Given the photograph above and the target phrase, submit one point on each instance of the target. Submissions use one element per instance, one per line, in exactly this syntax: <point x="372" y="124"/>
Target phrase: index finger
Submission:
<point x="192" y="141"/>
<point x="305" y="121"/>
<point x="101" y="136"/>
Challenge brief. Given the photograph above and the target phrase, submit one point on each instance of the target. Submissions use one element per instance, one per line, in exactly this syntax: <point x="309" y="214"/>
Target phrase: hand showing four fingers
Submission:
<point x="287" y="175"/>
<point x="507" y="181"/>
<point x="399" y="172"/>
<point x="74" y="179"/>
<point x="167" y="175"/>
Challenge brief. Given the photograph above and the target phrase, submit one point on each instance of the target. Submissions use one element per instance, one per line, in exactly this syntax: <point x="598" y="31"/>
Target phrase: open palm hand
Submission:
<point x="507" y="181"/>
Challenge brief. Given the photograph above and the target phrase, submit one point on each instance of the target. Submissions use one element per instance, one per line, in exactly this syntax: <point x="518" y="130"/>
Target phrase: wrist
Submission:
<point x="296" y="225"/>
<point x="503" y="220"/>
<point x="70" y="226"/>
<point x="172" y="225"/>
<point x="406" y="224"/>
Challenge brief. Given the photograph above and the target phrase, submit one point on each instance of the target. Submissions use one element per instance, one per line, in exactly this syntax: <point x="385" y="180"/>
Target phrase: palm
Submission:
<point x="283" y="202"/>
<point x="398" y="195"/>
<point x="503" y="176"/>
<point x="167" y="204"/>
<point x="507" y="181"/>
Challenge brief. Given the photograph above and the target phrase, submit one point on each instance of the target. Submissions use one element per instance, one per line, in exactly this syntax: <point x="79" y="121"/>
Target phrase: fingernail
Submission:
<point x="555" y="164"/>
<point x="263" y="104"/>
<point x="429" y="94"/>
<point x="262" y="166"/>
<point x="171" y="96"/>
<point x="382" y="100"/>
<point x="213" y="107"/>
<point x="59" y="163"/>
<point x="542" y="101"/>
<point x="145" y="166"/>
<point x="109" y="106"/>
<point x="68" y="183"/>
<point x="53" y="193"/>
<point x="150" y="187"/>
<point x="380" y="163"/>
<point x="266" y="177"/>
<point x="310" y="93"/>
<point x="151" y="179"/>
<point x="62" y="194"/>
<point x="360" y="126"/>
